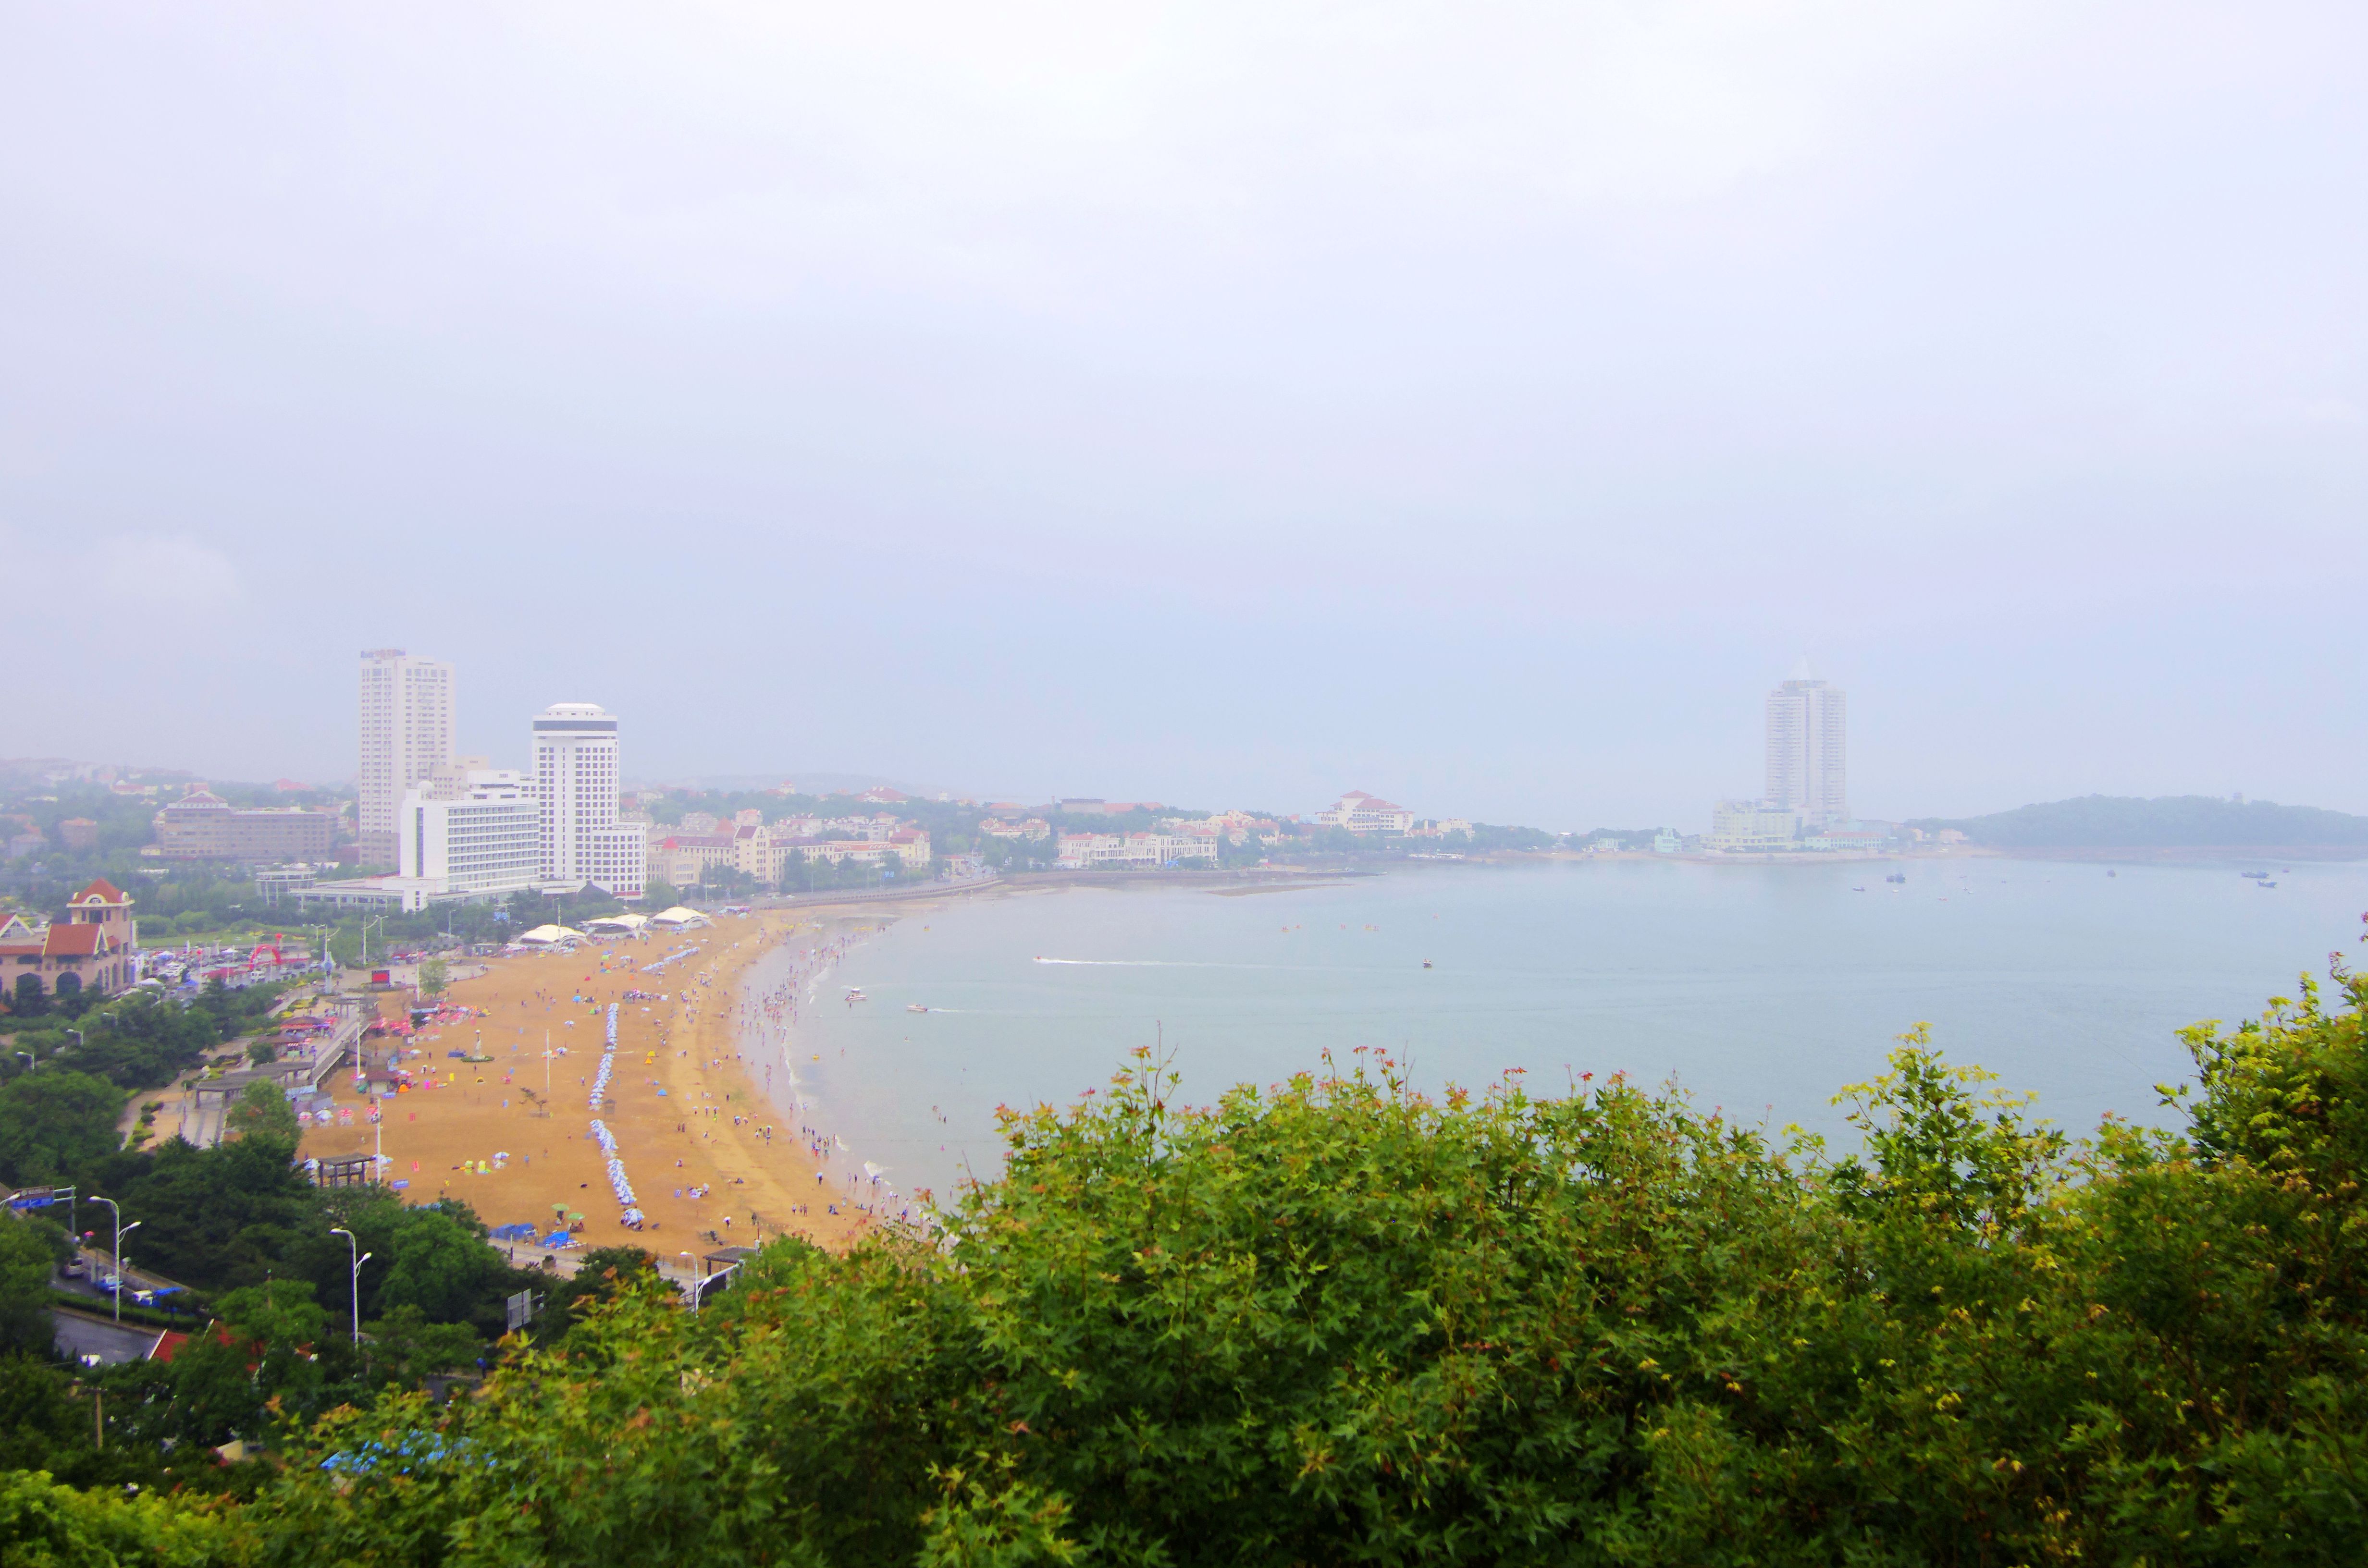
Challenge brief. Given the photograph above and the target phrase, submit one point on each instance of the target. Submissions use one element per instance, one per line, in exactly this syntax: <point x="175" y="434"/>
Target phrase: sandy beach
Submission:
<point x="690" y="1116"/>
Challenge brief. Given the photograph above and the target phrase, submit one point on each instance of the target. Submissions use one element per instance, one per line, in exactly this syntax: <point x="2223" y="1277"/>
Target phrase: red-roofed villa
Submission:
<point x="94" y="948"/>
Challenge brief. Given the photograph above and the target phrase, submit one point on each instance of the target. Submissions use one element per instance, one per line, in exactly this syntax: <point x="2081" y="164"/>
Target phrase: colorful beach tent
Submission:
<point x="514" y="1233"/>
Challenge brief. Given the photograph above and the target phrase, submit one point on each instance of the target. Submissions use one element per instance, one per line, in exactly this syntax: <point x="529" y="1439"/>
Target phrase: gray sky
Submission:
<point x="1221" y="404"/>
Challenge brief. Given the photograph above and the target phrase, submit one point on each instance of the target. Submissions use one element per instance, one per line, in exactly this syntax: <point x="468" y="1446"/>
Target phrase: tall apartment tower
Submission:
<point x="1808" y="748"/>
<point x="574" y="785"/>
<point x="407" y="726"/>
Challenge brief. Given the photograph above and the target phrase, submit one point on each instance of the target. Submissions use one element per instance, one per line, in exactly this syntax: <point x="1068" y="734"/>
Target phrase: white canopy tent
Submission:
<point x="679" y="918"/>
<point x="551" y="935"/>
<point x="627" y="923"/>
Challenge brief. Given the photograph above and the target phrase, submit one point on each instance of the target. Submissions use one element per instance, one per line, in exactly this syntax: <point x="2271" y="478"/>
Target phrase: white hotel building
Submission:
<point x="1083" y="851"/>
<point x="469" y="832"/>
<point x="574" y="786"/>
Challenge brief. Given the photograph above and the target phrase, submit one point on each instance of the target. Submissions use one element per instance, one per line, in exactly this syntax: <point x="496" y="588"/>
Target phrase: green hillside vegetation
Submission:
<point x="1342" y="1322"/>
<point x="2170" y="822"/>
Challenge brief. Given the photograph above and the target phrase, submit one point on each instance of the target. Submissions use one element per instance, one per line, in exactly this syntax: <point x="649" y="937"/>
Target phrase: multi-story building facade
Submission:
<point x="682" y="859"/>
<point x="1361" y="813"/>
<point x="1084" y="851"/>
<point x="406" y="729"/>
<point x="1808" y="749"/>
<point x="469" y="832"/>
<point x="574" y="785"/>
<point x="1746" y="827"/>
<point x="201" y="825"/>
<point x="863" y="851"/>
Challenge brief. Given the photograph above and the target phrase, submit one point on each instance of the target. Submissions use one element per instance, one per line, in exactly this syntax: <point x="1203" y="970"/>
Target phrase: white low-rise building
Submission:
<point x="863" y="851"/>
<point x="1754" y="827"/>
<point x="1083" y="851"/>
<point x="1361" y="813"/>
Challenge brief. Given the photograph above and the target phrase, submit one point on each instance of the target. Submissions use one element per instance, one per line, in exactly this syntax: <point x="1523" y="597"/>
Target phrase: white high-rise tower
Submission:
<point x="575" y="783"/>
<point x="406" y="729"/>
<point x="1808" y="748"/>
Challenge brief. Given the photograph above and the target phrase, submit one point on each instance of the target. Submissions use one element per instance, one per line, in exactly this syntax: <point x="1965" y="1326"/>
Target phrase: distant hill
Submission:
<point x="2171" y="822"/>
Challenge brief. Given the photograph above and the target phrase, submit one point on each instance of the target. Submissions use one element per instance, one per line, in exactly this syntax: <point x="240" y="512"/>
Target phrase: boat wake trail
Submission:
<point x="1157" y="963"/>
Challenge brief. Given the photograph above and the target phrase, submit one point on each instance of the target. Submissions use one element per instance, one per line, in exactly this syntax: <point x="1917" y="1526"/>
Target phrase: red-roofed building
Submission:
<point x="1361" y="813"/>
<point x="94" y="948"/>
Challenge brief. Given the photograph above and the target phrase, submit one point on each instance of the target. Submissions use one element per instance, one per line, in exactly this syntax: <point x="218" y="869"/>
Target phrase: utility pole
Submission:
<point x="359" y="1257"/>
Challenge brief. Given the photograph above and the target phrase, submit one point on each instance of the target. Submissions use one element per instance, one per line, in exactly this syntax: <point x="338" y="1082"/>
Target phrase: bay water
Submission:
<point x="1761" y="990"/>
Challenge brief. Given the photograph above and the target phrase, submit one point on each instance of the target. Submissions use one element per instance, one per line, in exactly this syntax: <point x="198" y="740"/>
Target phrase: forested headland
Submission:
<point x="2170" y="822"/>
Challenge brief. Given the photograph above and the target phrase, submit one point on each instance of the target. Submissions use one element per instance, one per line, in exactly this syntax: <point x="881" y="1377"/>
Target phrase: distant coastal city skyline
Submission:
<point x="408" y="719"/>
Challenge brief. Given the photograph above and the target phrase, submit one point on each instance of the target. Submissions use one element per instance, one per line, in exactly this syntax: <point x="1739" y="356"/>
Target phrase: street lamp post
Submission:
<point x="690" y="1279"/>
<point x="121" y="1230"/>
<point x="359" y="1257"/>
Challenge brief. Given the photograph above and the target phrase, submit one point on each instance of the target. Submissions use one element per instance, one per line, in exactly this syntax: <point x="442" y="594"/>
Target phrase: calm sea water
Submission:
<point x="1762" y="990"/>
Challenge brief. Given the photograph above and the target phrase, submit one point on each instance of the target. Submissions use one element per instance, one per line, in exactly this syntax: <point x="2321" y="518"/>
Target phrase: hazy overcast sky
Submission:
<point x="1478" y="405"/>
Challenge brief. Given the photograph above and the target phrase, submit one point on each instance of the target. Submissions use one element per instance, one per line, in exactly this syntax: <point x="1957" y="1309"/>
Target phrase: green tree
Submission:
<point x="142" y="1040"/>
<point x="255" y="1367"/>
<point x="434" y="974"/>
<point x="261" y="1111"/>
<point x="222" y="1217"/>
<point x="404" y="1348"/>
<point x="44" y="1523"/>
<point x="602" y="1274"/>
<point x="55" y="1122"/>
<point x="442" y="1266"/>
<point x="30" y="1250"/>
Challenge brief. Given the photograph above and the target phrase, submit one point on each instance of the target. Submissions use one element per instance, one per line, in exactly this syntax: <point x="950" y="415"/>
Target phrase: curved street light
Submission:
<point x="359" y="1257"/>
<point x="121" y="1230"/>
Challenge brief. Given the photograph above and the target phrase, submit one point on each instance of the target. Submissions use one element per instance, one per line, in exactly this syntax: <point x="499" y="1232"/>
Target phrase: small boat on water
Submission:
<point x="915" y="1007"/>
<point x="2265" y="884"/>
<point x="1426" y="963"/>
<point x="2254" y="876"/>
<point x="1896" y="877"/>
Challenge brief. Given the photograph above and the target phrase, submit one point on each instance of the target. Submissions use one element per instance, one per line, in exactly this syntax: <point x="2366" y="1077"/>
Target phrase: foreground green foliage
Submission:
<point x="1340" y="1323"/>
